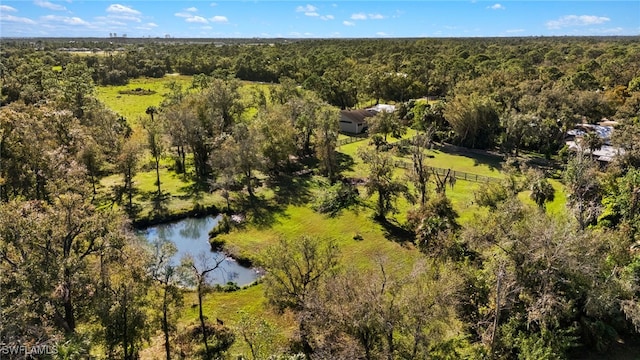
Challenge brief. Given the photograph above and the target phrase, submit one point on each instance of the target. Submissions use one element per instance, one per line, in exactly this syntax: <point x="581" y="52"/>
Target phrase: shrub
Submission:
<point x="336" y="198"/>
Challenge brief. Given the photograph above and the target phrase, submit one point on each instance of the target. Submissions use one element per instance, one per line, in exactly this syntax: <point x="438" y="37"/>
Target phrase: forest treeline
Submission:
<point x="515" y="282"/>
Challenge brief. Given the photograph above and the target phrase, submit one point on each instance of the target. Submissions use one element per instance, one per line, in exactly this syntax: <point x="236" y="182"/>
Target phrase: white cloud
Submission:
<point x="208" y="27"/>
<point x="213" y="4"/>
<point x="197" y="19"/>
<point x="219" y="19"/>
<point x="312" y="14"/>
<point x="16" y="19"/>
<point x="49" y="5"/>
<point x="363" y="16"/>
<point x="65" y="20"/>
<point x="121" y="9"/>
<point x="576" y="20"/>
<point x="496" y="7"/>
<point x="192" y="9"/>
<point x="183" y="15"/>
<point x="382" y="33"/>
<point x="151" y="25"/>
<point x="7" y="8"/>
<point x="514" y="31"/>
<point x="327" y="17"/>
<point x="348" y="23"/>
<point x="307" y="9"/>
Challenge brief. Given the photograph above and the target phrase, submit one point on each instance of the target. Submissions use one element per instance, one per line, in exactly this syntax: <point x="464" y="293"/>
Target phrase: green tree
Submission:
<point x="196" y="270"/>
<point x="382" y="182"/>
<point x="260" y="335"/>
<point x="326" y="138"/>
<point x="122" y="304"/>
<point x="581" y="179"/>
<point x="164" y="273"/>
<point x="295" y="269"/>
<point x="155" y="141"/>
<point x="473" y="119"/>
<point x="541" y="190"/>
<point x="386" y="123"/>
<point x="127" y="164"/>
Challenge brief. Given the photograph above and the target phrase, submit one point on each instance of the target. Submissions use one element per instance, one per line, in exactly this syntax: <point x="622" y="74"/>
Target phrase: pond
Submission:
<point x="191" y="236"/>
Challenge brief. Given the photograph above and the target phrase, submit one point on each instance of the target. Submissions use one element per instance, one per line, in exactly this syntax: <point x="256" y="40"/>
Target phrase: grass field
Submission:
<point x="133" y="107"/>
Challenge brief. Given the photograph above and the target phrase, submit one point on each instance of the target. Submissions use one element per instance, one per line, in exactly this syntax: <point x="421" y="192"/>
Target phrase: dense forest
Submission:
<point x="257" y="126"/>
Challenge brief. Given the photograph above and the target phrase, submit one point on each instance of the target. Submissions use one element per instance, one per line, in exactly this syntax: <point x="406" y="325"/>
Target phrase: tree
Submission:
<point x="239" y="155"/>
<point x="541" y="190"/>
<point x="592" y="142"/>
<point x="122" y="304"/>
<point x="546" y="278"/>
<point x="77" y="87"/>
<point x="326" y="137"/>
<point x="584" y="190"/>
<point x="517" y="129"/>
<point x="260" y="335"/>
<point x="474" y="120"/>
<point x="381" y="181"/>
<point x="419" y="174"/>
<point x="295" y="269"/>
<point x="49" y="255"/>
<point x="433" y="223"/>
<point x="166" y="274"/>
<point x="198" y="269"/>
<point x="92" y="158"/>
<point x="127" y="163"/>
<point x="386" y="123"/>
<point x="155" y="141"/>
<point x="276" y="138"/>
<point x="385" y="311"/>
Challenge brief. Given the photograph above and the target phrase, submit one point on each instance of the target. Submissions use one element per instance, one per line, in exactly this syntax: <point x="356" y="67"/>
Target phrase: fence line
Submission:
<point x="349" y="140"/>
<point x="459" y="175"/>
<point x="407" y="165"/>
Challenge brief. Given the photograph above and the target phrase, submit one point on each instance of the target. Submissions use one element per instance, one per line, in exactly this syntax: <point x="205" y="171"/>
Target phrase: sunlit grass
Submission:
<point x="133" y="107"/>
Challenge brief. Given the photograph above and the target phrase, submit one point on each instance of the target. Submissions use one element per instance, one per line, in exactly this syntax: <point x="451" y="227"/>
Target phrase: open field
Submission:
<point x="133" y="107"/>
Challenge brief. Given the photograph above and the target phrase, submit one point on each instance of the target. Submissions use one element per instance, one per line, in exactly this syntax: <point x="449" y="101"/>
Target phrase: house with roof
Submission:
<point x="354" y="121"/>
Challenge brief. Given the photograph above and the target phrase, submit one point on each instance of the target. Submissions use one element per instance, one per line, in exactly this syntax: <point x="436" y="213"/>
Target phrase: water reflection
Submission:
<point x="191" y="237"/>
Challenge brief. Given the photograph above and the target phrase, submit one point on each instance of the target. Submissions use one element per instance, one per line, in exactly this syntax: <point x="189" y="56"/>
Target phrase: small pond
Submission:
<point x="191" y="236"/>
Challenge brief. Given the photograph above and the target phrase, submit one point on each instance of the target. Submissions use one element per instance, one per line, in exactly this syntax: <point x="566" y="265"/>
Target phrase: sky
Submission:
<point x="316" y="19"/>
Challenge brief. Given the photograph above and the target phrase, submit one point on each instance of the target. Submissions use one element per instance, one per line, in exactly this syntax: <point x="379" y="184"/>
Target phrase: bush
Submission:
<point x="223" y="227"/>
<point x="336" y="198"/>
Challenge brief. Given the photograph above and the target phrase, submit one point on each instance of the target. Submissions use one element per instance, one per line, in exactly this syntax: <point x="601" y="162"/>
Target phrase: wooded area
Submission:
<point x="254" y="131"/>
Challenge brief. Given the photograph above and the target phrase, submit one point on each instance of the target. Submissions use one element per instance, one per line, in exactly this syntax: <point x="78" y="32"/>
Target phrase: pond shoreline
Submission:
<point x="160" y="219"/>
<point x="197" y="212"/>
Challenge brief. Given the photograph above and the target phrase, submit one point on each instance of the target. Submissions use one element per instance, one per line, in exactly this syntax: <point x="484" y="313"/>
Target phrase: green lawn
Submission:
<point x="180" y="193"/>
<point x="133" y="107"/>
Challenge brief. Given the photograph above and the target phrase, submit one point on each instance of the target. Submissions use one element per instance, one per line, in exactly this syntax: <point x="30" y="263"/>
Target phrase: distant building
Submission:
<point x="383" y="107"/>
<point x="606" y="153"/>
<point x="353" y="121"/>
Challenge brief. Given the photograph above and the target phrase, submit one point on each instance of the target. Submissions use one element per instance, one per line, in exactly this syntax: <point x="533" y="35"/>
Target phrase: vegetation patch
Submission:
<point x="137" y="91"/>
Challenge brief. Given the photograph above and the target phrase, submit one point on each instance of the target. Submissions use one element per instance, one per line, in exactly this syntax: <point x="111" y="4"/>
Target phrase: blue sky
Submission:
<point x="316" y="19"/>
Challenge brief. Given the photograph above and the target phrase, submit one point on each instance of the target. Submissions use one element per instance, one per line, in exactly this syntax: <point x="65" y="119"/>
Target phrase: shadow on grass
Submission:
<point x="291" y="189"/>
<point x="160" y="202"/>
<point x="259" y="211"/>
<point x="396" y="232"/>
<point x="345" y="162"/>
<point x="194" y="190"/>
<point x="479" y="157"/>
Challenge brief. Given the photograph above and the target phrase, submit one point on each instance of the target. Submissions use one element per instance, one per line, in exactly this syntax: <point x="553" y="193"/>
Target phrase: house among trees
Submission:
<point x="595" y="140"/>
<point x="354" y="121"/>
